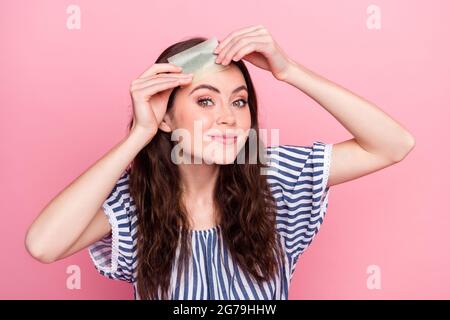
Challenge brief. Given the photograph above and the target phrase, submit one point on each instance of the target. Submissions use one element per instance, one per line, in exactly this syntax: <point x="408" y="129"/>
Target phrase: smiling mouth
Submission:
<point x="225" y="139"/>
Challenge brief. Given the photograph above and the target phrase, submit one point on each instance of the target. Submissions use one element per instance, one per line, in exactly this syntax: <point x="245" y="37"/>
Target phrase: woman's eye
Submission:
<point x="244" y="102"/>
<point x="201" y="102"/>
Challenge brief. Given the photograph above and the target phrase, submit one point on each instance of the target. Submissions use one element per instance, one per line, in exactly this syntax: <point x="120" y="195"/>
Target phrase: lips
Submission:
<point x="225" y="139"/>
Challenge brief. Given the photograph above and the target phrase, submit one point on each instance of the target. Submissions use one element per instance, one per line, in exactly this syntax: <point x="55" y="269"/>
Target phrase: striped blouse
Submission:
<point x="297" y="178"/>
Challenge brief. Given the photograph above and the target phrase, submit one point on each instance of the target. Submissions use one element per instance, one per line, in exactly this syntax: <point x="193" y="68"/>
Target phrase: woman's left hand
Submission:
<point x="255" y="45"/>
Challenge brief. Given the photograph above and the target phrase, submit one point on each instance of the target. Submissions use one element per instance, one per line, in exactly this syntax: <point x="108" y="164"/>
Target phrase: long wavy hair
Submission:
<point x="241" y="194"/>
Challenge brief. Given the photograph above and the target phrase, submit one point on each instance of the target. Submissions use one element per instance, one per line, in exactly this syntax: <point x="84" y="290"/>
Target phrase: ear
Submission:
<point x="166" y="124"/>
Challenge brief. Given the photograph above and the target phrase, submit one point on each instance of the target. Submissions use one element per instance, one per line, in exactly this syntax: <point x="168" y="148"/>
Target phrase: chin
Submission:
<point x="219" y="158"/>
<point x="224" y="160"/>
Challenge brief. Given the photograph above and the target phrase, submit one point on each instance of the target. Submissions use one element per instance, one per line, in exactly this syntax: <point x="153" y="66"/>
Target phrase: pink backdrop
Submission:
<point x="65" y="102"/>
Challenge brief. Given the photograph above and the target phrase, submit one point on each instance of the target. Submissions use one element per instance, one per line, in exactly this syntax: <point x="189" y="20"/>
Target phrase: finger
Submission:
<point x="254" y="46"/>
<point x="154" y="88"/>
<point x="154" y="82"/>
<point x="233" y="34"/>
<point x="164" y="76"/>
<point x="236" y="40"/>
<point x="247" y="41"/>
<point x="160" y="67"/>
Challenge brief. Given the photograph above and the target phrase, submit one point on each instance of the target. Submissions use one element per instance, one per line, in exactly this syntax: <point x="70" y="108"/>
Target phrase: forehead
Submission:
<point x="226" y="81"/>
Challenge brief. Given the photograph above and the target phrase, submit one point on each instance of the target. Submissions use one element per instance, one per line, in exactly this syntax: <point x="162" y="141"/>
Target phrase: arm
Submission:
<point x="379" y="141"/>
<point x="73" y="220"/>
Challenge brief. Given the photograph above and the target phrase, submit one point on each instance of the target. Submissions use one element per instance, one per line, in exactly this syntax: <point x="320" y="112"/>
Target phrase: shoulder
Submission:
<point x="289" y="161"/>
<point x="297" y="177"/>
<point x="120" y="200"/>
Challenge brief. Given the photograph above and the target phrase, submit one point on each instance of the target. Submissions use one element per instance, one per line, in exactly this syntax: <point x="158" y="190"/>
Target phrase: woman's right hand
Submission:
<point x="150" y="94"/>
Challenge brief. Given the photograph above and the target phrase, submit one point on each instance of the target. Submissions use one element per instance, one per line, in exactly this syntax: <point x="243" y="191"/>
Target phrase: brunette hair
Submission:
<point x="241" y="194"/>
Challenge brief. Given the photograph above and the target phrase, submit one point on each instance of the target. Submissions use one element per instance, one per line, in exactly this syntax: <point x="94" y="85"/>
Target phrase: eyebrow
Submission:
<point x="207" y="86"/>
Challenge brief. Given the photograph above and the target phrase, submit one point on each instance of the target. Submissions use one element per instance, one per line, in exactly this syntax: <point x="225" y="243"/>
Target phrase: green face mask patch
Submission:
<point x="199" y="59"/>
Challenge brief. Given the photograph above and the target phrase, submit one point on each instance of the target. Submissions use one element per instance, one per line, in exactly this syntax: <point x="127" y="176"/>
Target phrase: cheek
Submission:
<point x="191" y="115"/>
<point x="195" y="123"/>
<point x="244" y="119"/>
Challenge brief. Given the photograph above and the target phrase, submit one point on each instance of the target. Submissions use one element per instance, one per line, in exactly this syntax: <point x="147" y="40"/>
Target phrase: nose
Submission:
<point x="226" y="116"/>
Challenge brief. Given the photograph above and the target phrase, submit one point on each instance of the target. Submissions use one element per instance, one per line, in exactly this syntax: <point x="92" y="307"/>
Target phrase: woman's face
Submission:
<point x="212" y="117"/>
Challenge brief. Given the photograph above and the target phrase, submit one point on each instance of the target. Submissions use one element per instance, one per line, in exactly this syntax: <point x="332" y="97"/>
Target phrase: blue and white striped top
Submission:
<point x="297" y="178"/>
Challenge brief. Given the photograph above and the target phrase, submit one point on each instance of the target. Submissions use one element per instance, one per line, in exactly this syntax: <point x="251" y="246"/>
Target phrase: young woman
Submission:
<point x="214" y="228"/>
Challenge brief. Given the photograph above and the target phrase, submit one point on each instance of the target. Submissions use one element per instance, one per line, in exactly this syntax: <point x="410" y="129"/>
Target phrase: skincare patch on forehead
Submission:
<point x="199" y="59"/>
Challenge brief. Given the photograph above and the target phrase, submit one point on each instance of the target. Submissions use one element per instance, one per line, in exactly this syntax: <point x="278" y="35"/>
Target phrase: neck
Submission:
<point x="198" y="180"/>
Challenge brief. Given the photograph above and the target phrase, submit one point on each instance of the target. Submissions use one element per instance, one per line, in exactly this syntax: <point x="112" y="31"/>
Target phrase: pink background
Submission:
<point x="65" y="102"/>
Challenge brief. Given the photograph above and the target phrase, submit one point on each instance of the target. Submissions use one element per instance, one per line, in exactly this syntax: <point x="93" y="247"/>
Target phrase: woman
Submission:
<point x="214" y="228"/>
